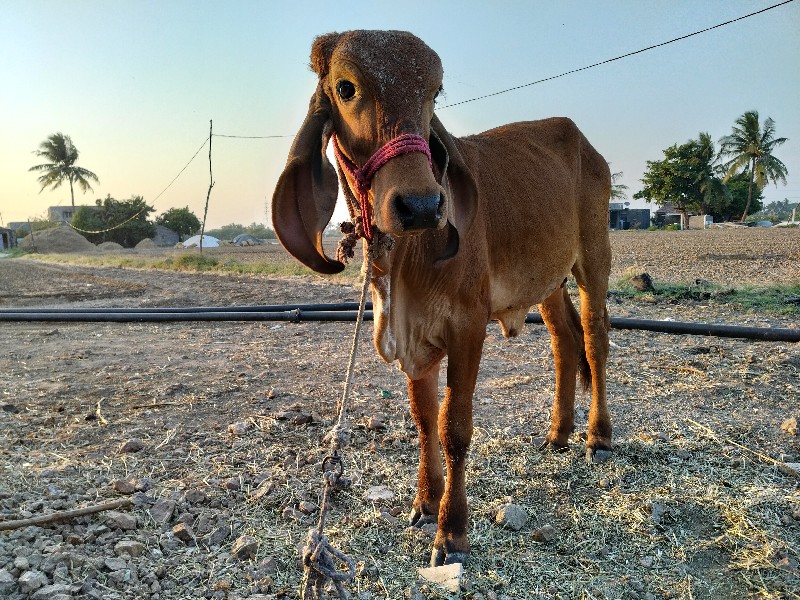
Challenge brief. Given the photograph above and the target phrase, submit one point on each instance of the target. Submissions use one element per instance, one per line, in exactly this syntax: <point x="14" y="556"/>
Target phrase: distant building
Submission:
<point x="20" y="227"/>
<point x="667" y="215"/>
<point x="622" y="217"/>
<point x="63" y="214"/>
<point x="8" y="238"/>
<point x="165" y="236"/>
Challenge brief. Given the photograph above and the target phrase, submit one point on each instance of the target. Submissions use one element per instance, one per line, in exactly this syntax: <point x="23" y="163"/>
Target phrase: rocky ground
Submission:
<point x="213" y="432"/>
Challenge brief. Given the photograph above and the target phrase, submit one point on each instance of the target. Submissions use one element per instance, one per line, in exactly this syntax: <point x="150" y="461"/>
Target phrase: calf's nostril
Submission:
<point x="419" y="212"/>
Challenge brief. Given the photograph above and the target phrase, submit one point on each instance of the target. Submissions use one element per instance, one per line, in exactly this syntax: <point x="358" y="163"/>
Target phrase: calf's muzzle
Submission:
<point x="419" y="212"/>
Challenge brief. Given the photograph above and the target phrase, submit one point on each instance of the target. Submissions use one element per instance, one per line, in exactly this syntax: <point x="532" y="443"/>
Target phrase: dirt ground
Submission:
<point x="214" y="431"/>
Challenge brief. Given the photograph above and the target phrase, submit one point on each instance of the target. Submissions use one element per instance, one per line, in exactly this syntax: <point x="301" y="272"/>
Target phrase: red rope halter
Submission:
<point x="402" y="144"/>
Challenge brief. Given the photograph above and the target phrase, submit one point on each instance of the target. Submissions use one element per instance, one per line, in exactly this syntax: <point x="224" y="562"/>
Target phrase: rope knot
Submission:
<point x="362" y="176"/>
<point x="318" y="560"/>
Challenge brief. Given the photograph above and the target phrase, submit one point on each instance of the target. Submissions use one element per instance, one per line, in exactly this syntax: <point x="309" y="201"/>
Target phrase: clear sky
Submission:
<point x="136" y="83"/>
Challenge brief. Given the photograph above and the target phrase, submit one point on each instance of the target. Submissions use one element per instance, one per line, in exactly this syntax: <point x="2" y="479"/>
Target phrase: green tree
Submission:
<point x="260" y="231"/>
<point x="619" y="191"/>
<point x="689" y="178"/>
<point x="675" y="179"/>
<point x="750" y="148"/>
<point x="122" y="221"/>
<point x="62" y="155"/>
<point x="714" y="194"/>
<point x="739" y="189"/>
<point x="226" y="232"/>
<point x="779" y="210"/>
<point x="180" y="220"/>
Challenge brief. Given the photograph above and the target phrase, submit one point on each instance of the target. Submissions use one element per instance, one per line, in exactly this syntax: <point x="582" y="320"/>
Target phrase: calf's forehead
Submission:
<point x="391" y="60"/>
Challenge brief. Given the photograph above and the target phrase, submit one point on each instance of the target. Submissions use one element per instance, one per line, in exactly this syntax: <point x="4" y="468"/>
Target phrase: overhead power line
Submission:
<point x="129" y="219"/>
<point x="253" y="137"/>
<point x="610" y="60"/>
<point x="186" y="166"/>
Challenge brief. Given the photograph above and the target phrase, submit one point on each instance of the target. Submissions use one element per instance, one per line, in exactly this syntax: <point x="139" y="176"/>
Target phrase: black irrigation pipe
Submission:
<point x="262" y="308"/>
<point x="346" y="311"/>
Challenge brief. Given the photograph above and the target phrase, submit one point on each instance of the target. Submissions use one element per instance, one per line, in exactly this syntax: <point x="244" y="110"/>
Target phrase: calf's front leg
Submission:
<point x="455" y="432"/>
<point x="423" y="395"/>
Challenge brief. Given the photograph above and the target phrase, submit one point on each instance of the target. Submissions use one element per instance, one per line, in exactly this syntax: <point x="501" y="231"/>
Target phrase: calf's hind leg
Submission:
<point x="593" y="287"/>
<point x="566" y="340"/>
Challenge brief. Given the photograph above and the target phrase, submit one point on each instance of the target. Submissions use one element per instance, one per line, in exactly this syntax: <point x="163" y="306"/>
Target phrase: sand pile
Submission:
<point x="109" y="246"/>
<point x="57" y="240"/>
<point x="145" y="244"/>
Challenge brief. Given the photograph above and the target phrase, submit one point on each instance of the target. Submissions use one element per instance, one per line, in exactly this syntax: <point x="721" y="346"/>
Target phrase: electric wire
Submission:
<point x="129" y="219"/>
<point x="610" y="60"/>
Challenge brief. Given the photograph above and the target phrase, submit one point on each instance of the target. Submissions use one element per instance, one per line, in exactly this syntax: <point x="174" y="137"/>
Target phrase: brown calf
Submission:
<point x="491" y="225"/>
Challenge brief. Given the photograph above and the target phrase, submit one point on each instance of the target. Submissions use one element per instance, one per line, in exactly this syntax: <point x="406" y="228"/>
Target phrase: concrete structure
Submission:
<point x="8" y="238"/>
<point x="700" y="221"/>
<point x="62" y="214"/>
<point x="622" y="217"/>
<point x="20" y="227"/>
<point x="667" y="215"/>
<point x="165" y="236"/>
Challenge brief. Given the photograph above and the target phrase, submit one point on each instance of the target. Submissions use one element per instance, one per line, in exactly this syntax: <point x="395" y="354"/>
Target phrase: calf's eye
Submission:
<point x="345" y="89"/>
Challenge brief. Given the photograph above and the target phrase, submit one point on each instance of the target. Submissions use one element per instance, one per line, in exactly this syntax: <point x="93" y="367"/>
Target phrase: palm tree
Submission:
<point x="62" y="155"/>
<point x="619" y="191"/>
<point x="750" y="147"/>
<point x="710" y="185"/>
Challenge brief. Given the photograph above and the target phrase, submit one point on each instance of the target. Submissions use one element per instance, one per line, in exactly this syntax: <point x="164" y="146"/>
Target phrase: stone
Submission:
<point x="447" y="576"/>
<point x="388" y="518"/>
<point x="144" y="484"/>
<point x="219" y="535"/>
<point x="302" y="419"/>
<point x="290" y="513"/>
<point x="787" y="563"/>
<point x="51" y="561"/>
<point x="124" y="486"/>
<point x="129" y="547"/>
<point x="264" y="489"/>
<point x="132" y="445"/>
<point x="53" y="592"/>
<point x="657" y="512"/>
<point x="233" y="484"/>
<point x="544" y="534"/>
<point x="30" y="581"/>
<point x="643" y="282"/>
<point x="789" y="426"/>
<point x="162" y="510"/>
<point x="240" y="427"/>
<point x="115" y="564"/>
<point x="376" y="422"/>
<point x="308" y="508"/>
<point x="244" y="548"/>
<point x="378" y="493"/>
<point x="121" y="520"/>
<point x="7" y="582"/>
<point x="511" y="516"/>
<point x="195" y="496"/>
<point x="183" y="532"/>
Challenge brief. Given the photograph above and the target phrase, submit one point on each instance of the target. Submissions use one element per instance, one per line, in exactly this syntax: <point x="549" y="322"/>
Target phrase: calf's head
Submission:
<point x="374" y="86"/>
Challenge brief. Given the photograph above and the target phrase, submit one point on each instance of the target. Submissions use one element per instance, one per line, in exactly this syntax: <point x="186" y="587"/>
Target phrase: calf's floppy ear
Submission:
<point x="457" y="181"/>
<point x="305" y="195"/>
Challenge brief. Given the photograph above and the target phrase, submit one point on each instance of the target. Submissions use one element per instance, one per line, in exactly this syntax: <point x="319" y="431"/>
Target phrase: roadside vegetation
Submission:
<point x="271" y="265"/>
<point x="782" y="299"/>
<point x="778" y="299"/>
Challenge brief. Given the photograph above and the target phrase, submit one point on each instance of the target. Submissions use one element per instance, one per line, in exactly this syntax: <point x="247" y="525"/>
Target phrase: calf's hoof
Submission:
<point x="417" y="518"/>
<point x="597" y="455"/>
<point x="553" y="447"/>
<point x="441" y="557"/>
